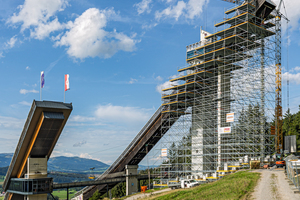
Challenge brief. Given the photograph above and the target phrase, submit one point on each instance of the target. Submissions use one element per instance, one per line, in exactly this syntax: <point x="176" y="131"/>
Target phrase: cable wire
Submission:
<point x="287" y="60"/>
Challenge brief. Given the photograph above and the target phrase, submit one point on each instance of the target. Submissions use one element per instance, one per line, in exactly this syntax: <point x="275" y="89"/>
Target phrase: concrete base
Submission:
<point x="36" y="168"/>
<point x="37" y="197"/>
<point x="15" y="197"/>
<point x="131" y="179"/>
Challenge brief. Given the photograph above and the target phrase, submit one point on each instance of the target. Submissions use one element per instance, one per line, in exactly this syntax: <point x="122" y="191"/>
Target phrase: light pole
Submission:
<point x="148" y="165"/>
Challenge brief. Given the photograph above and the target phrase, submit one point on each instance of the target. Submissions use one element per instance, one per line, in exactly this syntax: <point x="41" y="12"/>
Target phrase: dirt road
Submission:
<point x="273" y="185"/>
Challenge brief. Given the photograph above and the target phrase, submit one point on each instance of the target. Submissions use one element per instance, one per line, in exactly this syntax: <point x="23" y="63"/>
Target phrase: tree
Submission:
<point x="291" y="126"/>
<point x="95" y="196"/>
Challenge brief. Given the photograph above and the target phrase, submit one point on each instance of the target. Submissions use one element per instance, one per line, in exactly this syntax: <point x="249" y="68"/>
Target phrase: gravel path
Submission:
<point x="273" y="185"/>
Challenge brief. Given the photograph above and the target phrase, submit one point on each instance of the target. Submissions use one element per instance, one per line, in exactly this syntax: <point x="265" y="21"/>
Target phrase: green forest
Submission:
<point x="291" y="126"/>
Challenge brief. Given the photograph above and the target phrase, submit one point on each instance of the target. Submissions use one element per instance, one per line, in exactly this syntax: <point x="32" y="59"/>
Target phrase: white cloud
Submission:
<point x="87" y="38"/>
<point x="164" y="85"/>
<point x="121" y="114"/>
<point x="79" y="144"/>
<point x="294" y="78"/>
<point x="67" y="154"/>
<point x="25" y="103"/>
<point x="159" y="78"/>
<point x="169" y="1"/>
<point x="44" y="29"/>
<point x="11" y="122"/>
<point x="149" y="26"/>
<point x="132" y="80"/>
<point x="189" y="9"/>
<point x="36" y="12"/>
<point x="24" y="91"/>
<point x="85" y="155"/>
<point x="37" y="15"/>
<point x="143" y="6"/>
<point x="78" y="118"/>
<point x="172" y="11"/>
<point x="295" y="69"/>
<point x="11" y="43"/>
<point x="195" y="8"/>
<point x="27" y="68"/>
<point x="167" y="84"/>
<point x="1" y="55"/>
<point x="88" y="156"/>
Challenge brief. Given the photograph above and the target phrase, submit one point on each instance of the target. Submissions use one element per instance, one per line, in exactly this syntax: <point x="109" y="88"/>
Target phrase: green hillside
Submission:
<point x="235" y="186"/>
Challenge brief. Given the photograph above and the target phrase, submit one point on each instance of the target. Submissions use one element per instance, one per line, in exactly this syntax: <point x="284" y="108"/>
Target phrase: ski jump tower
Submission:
<point x="223" y="101"/>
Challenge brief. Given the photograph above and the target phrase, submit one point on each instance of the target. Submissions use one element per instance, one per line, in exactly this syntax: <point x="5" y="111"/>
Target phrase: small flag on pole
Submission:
<point x="67" y="84"/>
<point x="42" y="79"/>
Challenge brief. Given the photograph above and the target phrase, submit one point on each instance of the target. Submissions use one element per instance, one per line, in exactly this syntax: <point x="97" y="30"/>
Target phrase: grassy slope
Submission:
<point x="234" y="186"/>
<point x="1" y="179"/>
<point x="63" y="194"/>
<point x="1" y="183"/>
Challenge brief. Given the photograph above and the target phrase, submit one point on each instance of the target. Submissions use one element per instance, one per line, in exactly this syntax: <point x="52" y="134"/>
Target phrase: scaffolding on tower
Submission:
<point x="221" y="104"/>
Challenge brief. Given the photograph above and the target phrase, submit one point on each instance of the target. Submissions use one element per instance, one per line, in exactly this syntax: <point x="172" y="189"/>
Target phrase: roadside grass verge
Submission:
<point x="234" y="186"/>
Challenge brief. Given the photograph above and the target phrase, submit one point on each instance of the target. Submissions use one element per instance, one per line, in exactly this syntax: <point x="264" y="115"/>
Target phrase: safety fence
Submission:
<point x="293" y="172"/>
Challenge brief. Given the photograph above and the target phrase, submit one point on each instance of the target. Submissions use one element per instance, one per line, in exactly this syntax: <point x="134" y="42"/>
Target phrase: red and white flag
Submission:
<point x="67" y="84"/>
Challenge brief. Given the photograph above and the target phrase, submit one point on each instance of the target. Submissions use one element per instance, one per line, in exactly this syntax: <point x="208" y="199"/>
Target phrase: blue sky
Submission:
<point x="118" y="54"/>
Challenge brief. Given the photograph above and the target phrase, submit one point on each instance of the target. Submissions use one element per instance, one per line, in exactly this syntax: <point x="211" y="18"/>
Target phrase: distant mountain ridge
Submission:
<point x="5" y="159"/>
<point x="75" y="165"/>
<point x="67" y="164"/>
<point x="64" y="164"/>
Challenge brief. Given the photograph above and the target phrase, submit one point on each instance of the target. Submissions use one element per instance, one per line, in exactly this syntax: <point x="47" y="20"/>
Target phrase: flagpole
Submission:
<point x="64" y="88"/>
<point x="40" y="88"/>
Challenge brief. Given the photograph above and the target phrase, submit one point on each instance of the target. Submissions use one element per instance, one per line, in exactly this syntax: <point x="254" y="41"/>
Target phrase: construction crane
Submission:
<point x="278" y="80"/>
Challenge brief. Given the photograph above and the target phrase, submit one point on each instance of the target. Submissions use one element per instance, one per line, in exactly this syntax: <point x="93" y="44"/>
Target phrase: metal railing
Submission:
<point x="293" y="172"/>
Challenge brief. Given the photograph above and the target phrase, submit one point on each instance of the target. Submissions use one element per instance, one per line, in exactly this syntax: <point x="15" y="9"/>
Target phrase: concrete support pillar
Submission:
<point x="37" y="197"/>
<point x="131" y="179"/>
<point x="36" y="168"/>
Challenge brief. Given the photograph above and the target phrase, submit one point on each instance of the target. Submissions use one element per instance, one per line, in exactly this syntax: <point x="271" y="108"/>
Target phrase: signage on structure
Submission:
<point x="230" y="117"/>
<point x="225" y="130"/>
<point x="164" y="152"/>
